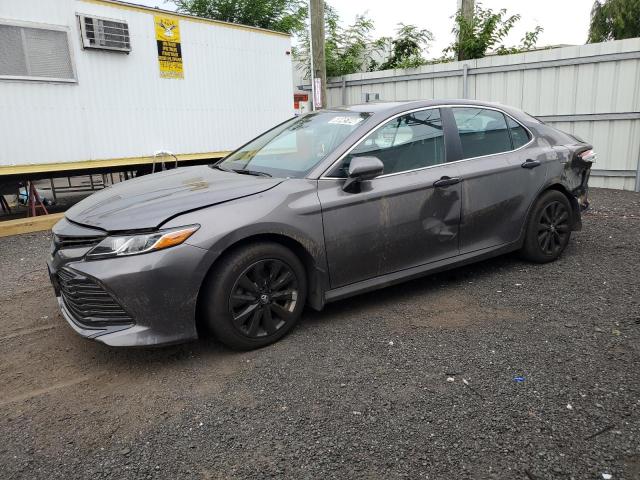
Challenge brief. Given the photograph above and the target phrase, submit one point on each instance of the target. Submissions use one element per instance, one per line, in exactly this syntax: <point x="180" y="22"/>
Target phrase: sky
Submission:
<point x="564" y="21"/>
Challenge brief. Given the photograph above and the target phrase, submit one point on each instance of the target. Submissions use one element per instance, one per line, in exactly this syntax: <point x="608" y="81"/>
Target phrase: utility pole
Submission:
<point x="318" y="64"/>
<point x="466" y="8"/>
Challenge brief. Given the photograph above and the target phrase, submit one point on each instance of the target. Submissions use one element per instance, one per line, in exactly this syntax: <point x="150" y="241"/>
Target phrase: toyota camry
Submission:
<point x="321" y="207"/>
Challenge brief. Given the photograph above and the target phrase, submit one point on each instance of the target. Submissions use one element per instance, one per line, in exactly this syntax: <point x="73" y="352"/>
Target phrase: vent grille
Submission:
<point x="104" y="34"/>
<point x="63" y="241"/>
<point x="35" y="53"/>
<point x="88" y="303"/>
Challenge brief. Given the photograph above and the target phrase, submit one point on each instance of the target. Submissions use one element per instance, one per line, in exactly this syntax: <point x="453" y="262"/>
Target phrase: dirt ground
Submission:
<point x="414" y="381"/>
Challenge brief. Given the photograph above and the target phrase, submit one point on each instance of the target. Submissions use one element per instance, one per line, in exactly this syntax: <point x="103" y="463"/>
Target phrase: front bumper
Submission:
<point x="157" y="293"/>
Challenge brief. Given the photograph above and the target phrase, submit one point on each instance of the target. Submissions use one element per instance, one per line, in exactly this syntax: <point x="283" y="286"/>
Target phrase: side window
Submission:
<point x="35" y="54"/>
<point x="482" y="131"/>
<point x="519" y="135"/>
<point x="409" y="142"/>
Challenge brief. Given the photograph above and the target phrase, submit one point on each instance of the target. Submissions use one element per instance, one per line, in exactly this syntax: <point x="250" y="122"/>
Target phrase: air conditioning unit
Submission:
<point x="104" y="34"/>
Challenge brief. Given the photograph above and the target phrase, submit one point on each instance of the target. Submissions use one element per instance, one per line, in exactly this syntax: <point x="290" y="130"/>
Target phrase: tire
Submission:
<point x="548" y="229"/>
<point x="255" y="296"/>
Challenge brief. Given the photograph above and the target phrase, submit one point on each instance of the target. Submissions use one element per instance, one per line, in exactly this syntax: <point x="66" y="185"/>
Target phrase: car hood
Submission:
<point x="147" y="202"/>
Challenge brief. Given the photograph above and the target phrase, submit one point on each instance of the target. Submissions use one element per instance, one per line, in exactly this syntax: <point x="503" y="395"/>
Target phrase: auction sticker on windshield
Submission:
<point x="345" y="120"/>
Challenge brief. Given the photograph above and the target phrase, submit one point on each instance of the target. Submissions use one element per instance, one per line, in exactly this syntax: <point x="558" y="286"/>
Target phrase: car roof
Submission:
<point x="382" y="106"/>
<point x="389" y="108"/>
<point x="373" y="107"/>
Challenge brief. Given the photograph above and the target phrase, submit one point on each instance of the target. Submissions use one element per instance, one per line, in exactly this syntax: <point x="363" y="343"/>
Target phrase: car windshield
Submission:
<point x="295" y="147"/>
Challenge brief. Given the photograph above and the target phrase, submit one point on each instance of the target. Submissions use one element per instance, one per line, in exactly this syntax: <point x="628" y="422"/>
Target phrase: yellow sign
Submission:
<point x="169" y="49"/>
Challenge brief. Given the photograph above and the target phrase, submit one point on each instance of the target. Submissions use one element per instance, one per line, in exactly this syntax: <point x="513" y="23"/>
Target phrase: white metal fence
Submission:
<point x="590" y="90"/>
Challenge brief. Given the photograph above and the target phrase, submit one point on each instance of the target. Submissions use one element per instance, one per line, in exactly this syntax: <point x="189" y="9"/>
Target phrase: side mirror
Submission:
<point x="362" y="168"/>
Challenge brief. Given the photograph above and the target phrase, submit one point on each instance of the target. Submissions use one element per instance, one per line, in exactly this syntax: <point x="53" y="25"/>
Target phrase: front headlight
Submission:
<point x="122" y="245"/>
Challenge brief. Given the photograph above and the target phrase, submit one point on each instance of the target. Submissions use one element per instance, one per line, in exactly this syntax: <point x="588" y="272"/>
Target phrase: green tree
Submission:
<point x="485" y="32"/>
<point x="347" y="49"/>
<point x="527" y="43"/>
<point x="282" y="15"/>
<point x="351" y="49"/>
<point x="407" y="47"/>
<point x="614" y="20"/>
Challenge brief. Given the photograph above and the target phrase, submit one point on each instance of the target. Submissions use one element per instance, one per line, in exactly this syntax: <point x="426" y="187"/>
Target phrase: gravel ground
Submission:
<point x="413" y="381"/>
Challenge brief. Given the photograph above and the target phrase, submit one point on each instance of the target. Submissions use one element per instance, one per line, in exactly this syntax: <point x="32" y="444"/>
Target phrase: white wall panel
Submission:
<point x="238" y="83"/>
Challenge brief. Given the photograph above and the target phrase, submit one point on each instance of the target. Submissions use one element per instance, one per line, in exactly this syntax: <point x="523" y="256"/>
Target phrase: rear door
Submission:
<point x="501" y="177"/>
<point x="404" y="218"/>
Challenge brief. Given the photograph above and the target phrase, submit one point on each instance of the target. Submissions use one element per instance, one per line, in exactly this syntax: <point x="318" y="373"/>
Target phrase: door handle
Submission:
<point x="446" y="181"/>
<point x="530" y="164"/>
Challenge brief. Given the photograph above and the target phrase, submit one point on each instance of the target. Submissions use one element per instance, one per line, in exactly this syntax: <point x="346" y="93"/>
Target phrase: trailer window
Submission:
<point x="297" y="146"/>
<point x="34" y="53"/>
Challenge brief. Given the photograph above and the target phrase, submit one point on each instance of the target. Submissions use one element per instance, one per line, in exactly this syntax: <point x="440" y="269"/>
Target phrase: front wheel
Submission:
<point x="255" y="295"/>
<point x="549" y="228"/>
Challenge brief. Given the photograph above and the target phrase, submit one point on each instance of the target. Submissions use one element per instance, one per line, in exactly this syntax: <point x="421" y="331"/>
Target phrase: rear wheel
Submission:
<point x="255" y="296"/>
<point x="549" y="228"/>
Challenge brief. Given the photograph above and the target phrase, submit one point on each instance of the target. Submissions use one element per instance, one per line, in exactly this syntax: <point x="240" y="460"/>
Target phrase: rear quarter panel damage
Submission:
<point x="570" y="173"/>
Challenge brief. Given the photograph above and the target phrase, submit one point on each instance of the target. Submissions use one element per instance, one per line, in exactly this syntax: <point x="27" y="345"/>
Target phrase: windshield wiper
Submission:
<point x="244" y="171"/>
<point x="218" y="167"/>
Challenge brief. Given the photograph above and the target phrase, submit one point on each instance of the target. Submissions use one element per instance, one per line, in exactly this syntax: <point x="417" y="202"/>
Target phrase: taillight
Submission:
<point x="588" y="156"/>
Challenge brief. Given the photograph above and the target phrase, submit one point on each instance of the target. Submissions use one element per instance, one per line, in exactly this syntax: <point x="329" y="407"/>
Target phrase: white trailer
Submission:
<point x="90" y="84"/>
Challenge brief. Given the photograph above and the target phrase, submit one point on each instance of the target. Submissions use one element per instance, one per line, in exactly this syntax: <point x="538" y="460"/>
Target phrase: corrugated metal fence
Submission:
<point x="590" y="90"/>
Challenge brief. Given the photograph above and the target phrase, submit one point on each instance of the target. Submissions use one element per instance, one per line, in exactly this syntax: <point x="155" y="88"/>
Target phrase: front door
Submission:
<point x="400" y="219"/>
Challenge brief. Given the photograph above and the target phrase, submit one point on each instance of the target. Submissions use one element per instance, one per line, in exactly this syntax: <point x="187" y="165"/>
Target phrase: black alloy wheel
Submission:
<point x="553" y="228"/>
<point x="264" y="297"/>
<point x="254" y="296"/>
<point x="548" y="228"/>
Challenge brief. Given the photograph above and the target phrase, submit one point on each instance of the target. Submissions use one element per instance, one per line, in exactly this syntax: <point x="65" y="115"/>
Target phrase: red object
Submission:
<point x="34" y="201"/>
<point x="299" y="97"/>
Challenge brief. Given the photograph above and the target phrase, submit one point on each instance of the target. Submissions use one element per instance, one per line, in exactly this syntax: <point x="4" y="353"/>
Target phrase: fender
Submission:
<point x="308" y="250"/>
<point x="554" y="183"/>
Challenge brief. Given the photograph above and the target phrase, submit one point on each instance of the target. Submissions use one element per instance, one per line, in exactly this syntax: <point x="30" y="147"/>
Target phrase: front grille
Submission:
<point x="88" y="302"/>
<point x="71" y="242"/>
<point x="64" y="241"/>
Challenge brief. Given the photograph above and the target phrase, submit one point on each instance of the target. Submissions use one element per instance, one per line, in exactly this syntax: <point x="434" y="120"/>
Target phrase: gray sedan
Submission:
<point x="319" y="208"/>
